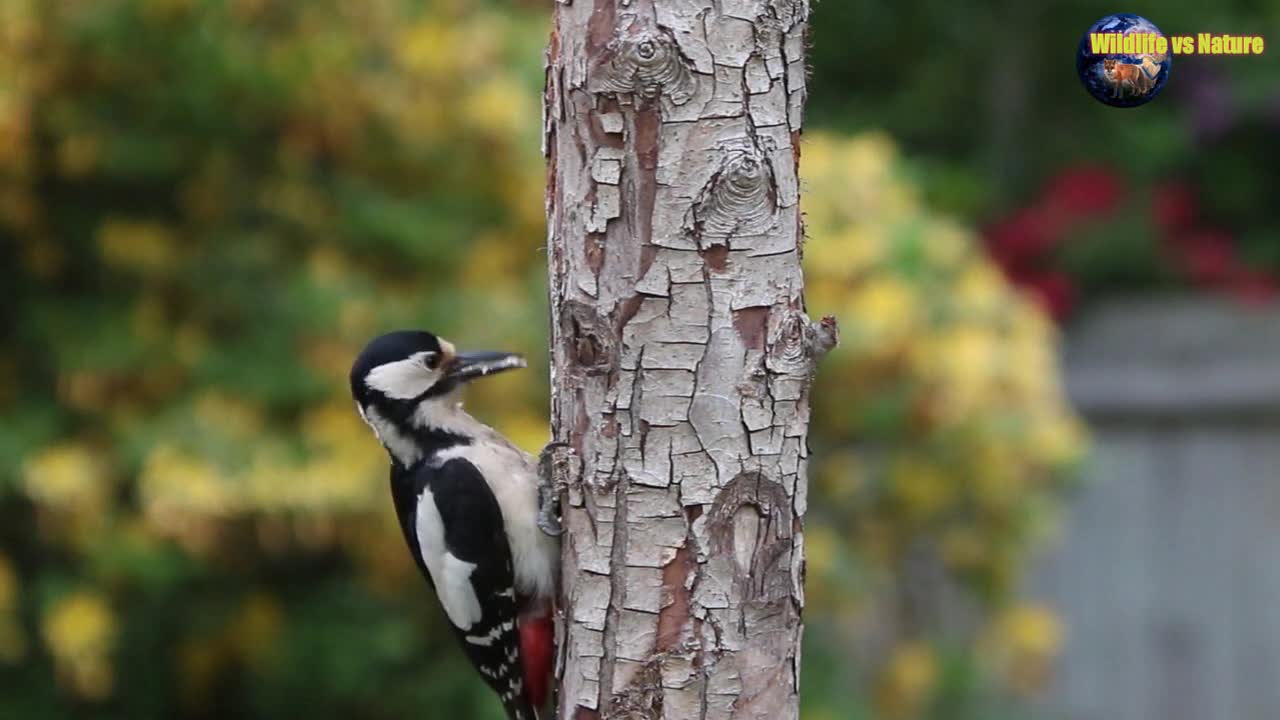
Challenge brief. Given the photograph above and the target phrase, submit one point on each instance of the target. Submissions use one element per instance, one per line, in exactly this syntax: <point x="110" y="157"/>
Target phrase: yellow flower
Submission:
<point x="821" y="548"/>
<point x="1057" y="440"/>
<point x="430" y="48"/>
<point x="80" y="625"/>
<point x="138" y="245"/>
<point x="870" y="155"/>
<point x="908" y="680"/>
<point x="846" y="255"/>
<point x="921" y="488"/>
<point x="1032" y="630"/>
<point x="228" y="414"/>
<point x="80" y="632"/>
<point x="1024" y="642"/>
<point x="980" y="289"/>
<point x="66" y="476"/>
<point x="332" y="425"/>
<point x="960" y="361"/>
<point x="947" y="244"/>
<point x="497" y="106"/>
<point x="489" y="258"/>
<point x="850" y="181"/>
<point x="173" y="484"/>
<point x="882" y="308"/>
<point x="1000" y="472"/>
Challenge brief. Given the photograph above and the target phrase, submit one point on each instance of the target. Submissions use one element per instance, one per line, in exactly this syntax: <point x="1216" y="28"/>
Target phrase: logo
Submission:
<point x="1124" y="60"/>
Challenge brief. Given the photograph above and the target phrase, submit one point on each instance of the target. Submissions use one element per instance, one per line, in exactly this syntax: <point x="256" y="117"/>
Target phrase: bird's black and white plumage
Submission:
<point x="468" y="503"/>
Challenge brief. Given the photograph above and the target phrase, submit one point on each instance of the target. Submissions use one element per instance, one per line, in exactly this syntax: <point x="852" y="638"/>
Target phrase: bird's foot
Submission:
<point x="552" y="462"/>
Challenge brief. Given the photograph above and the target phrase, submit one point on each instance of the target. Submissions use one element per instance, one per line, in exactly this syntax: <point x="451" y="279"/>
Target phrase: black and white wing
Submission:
<point x="459" y="539"/>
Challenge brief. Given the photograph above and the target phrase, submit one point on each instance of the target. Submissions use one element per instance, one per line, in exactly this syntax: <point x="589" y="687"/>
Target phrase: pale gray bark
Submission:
<point x="681" y="354"/>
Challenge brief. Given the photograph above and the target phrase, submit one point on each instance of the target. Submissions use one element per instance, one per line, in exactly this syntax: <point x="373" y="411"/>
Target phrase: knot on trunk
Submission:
<point x="642" y="61"/>
<point x="741" y="197"/>
<point x="796" y="344"/>
<point x="750" y="526"/>
<point x="589" y="339"/>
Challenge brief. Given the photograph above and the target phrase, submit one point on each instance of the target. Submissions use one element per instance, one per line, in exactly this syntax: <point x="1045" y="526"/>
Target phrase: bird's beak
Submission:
<point x="471" y="365"/>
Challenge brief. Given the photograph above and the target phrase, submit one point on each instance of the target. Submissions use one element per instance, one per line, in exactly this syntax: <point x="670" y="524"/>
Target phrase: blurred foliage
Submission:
<point x="985" y="98"/>
<point x="207" y="206"/>
<point x="942" y="444"/>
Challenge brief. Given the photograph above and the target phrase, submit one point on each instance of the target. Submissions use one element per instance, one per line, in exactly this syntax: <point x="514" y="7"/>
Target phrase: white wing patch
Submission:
<point x="403" y="379"/>
<point x="451" y="575"/>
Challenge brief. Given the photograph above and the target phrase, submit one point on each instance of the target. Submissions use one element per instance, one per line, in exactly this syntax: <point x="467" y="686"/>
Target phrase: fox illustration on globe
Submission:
<point x="1127" y="78"/>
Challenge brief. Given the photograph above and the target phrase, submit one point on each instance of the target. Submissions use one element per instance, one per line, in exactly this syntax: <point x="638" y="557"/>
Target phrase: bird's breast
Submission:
<point x="512" y="477"/>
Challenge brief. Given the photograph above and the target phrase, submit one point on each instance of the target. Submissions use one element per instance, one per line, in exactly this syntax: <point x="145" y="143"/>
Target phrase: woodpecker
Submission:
<point x="471" y="506"/>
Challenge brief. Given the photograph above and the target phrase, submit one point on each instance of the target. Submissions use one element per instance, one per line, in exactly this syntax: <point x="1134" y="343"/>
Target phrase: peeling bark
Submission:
<point x="681" y="354"/>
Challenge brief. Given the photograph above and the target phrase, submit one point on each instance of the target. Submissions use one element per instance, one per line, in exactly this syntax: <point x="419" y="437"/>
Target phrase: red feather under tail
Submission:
<point x="537" y="650"/>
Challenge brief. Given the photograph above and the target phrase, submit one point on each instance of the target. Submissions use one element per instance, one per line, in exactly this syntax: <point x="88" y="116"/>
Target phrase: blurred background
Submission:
<point x="1046" y="451"/>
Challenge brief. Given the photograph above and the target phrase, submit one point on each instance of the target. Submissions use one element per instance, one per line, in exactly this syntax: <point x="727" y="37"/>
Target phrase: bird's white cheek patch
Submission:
<point x="451" y="575"/>
<point x="402" y="379"/>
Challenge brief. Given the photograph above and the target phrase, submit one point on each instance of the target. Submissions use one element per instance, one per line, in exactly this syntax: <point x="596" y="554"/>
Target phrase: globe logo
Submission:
<point x="1124" y="60"/>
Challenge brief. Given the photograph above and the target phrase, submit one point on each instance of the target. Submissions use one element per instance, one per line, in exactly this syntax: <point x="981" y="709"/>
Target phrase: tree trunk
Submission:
<point x="681" y="354"/>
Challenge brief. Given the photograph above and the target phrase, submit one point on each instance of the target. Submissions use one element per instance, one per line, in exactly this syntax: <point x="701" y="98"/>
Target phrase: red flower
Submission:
<point x="1025" y="237"/>
<point x="1173" y="206"/>
<point x="1085" y="190"/>
<point x="1208" y="257"/>
<point x="1053" y="290"/>
<point x="1252" y="286"/>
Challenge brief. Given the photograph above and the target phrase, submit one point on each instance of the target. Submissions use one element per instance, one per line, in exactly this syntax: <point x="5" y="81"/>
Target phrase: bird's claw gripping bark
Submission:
<point x="552" y="457"/>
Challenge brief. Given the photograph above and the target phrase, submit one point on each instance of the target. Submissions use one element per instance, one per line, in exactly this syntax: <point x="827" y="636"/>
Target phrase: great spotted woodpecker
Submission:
<point x="471" y="507"/>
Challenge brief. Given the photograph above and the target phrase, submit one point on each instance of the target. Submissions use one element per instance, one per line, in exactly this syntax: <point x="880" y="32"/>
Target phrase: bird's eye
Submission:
<point x="431" y="360"/>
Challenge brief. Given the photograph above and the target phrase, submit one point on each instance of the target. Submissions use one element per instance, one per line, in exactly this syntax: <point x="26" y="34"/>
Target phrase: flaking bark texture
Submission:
<point x="681" y="354"/>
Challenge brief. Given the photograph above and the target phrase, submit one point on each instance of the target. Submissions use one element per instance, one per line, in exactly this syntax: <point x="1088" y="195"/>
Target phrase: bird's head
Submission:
<point x="409" y="379"/>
